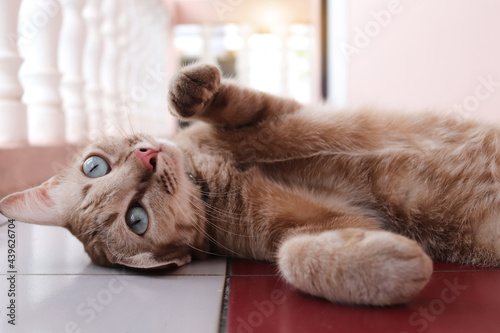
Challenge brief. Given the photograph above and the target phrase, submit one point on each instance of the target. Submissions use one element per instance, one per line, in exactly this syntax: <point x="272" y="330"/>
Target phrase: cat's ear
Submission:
<point x="147" y="261"/>
<point x="36" y="205"/>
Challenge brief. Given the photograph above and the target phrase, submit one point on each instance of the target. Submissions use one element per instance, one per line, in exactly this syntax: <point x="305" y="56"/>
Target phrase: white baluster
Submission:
<point x="13" y="126"/>
<point x="151" y="67"/>
<point x="123" y="39"/>
<point x="140" y="48"/>
<point x="171" y="61"/>
<point x="108" y="70"/>
<point x="134" y="46"/>
<point x="159" y="61"/>
<point x="91" y="68"/>
<point x="39" y="26"/>
<point x="70" y="63"/>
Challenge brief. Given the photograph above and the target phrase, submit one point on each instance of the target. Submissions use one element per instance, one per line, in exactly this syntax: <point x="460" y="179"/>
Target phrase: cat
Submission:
<point x="350" y="204"/>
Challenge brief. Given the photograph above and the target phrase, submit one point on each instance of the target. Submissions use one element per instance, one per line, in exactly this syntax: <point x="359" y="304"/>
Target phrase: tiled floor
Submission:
<point x="59" y="290"/>
<point x="457" y="300"/>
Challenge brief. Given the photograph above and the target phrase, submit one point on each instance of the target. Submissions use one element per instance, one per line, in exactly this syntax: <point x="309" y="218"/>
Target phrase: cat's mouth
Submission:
<point x="153" y="161"/>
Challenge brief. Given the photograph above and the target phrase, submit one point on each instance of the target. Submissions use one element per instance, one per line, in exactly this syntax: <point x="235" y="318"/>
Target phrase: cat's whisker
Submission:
<point x="114" y="122"/>
<point x="210" y="194"/>
<point x="216" y="226"/>
<point x="217" y="194"/>
<point x="214" y="217"/>
<point x="119" y="257"/>
<point x="207" y="252"/>
<point x="214" y="241"/>
<point x="211" y="238"/>
<point x="220" y="213"/>
<point x="129" y="118"/>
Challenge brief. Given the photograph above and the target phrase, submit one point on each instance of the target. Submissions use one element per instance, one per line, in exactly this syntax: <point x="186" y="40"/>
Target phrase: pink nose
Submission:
<point x="148" y="157"/>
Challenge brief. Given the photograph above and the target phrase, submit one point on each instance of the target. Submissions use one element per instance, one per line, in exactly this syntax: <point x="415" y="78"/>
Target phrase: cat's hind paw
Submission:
<point x="192" y="89"/>
<point x="356" y="266"/>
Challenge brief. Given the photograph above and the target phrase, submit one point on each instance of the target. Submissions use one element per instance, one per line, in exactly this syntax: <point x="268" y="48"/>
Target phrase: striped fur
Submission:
<point x="350" y="204"/>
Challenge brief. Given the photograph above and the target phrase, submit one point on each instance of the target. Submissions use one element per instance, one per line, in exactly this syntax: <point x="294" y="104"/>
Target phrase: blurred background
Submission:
<point x="268" y="45"/>
<point x="73" y="70"/>
<point x="397" y="54"/>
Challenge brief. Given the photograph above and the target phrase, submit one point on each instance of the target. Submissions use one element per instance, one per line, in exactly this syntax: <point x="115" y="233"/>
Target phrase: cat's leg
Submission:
<point x="271" y="128"/>
<point x="198" y="92"/>
<point x="355" y="266"/>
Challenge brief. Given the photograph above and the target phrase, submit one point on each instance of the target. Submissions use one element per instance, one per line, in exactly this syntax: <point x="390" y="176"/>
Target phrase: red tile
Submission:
<point x="459" y="302"/>
<point x="247" y="267"/>
<point x="449" y="267"/>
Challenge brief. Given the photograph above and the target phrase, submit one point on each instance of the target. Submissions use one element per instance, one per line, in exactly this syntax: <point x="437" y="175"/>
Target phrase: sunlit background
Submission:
<point x="267" y="45"/>
<point x="276" y="59"/>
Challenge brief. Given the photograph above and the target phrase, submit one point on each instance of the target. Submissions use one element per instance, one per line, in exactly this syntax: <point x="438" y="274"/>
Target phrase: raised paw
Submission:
<point x="192" y="89"/>
<point x="356" y="266"/>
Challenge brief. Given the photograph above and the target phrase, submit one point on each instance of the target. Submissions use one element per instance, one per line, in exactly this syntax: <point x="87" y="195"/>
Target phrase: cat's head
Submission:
<point x="128" y="200"/>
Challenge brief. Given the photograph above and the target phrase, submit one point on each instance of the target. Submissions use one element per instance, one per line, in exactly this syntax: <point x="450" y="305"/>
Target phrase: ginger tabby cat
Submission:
<point x="351" y="205"/>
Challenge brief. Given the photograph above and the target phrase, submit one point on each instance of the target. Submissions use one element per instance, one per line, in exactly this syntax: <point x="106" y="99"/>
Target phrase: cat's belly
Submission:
<point x="438" y="202"/>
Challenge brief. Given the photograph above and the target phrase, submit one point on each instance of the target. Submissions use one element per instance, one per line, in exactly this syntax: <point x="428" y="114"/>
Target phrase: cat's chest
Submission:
<point x="218" y="172"/>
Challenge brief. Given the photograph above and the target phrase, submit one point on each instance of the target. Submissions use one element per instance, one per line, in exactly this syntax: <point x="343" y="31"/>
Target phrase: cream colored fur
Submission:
<point x="351" y="204"/>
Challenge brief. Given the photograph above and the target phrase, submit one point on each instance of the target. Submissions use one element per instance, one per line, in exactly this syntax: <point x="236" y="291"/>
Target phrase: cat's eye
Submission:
<point x="95" y="166"/>
<point x="137" y="220"/>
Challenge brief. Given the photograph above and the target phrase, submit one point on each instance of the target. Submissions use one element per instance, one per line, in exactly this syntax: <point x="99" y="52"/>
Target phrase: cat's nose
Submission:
<point x="148" y="157"/>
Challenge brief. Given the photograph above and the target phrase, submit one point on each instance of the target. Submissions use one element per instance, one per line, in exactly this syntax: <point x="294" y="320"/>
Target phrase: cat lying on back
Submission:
<point x="349" y="204"/>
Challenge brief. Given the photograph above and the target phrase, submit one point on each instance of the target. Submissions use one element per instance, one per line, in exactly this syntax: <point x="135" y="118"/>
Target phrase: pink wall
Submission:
<point x="409" y="54"/>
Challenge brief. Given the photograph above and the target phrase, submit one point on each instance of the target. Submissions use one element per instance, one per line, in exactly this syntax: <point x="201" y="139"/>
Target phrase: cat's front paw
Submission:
<point x="192" y="89"/>
<point x="356" y="266"/>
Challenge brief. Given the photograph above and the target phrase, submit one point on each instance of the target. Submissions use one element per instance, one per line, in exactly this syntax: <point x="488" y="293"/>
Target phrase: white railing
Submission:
<point x="72" y="70"/>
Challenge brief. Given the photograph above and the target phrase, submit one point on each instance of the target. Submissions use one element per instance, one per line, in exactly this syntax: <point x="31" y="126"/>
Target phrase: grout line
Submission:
<point x="256" y="275"/>
<point x="225" y="299"/>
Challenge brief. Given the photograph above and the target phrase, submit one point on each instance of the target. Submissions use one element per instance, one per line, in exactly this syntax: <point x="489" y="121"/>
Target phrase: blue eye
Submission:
<point x="137" y="220"/>
<point x="95" y="166"/>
